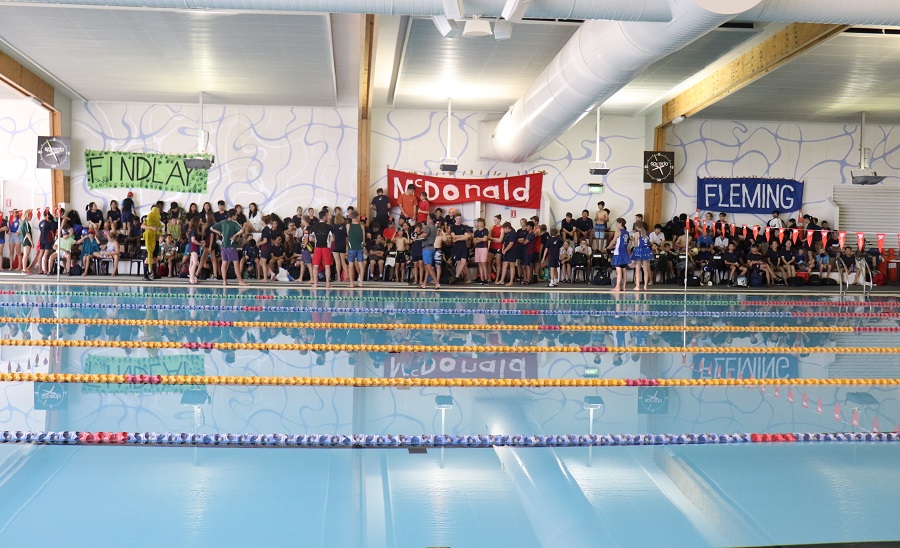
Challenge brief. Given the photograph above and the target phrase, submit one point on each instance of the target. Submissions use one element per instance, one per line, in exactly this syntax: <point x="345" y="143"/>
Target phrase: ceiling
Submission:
<point x="308" y="59"/>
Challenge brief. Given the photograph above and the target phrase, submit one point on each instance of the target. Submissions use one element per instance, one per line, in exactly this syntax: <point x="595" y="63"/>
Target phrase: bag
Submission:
<point x="391" y="260"/>
<point x="803" y="276"/>
<point x="741" y="281"/>
<point x="796" y="281"/>
<point x="162" y="271"/>
<point x="204" y="274"/>
<point x="706" y="276"/>
<point x="579" y="259"/>
<point x="879" y="279"/>
<point x="282" y="275"/>
<point x="829" y="281"/>
<point x="814" y="280"/>
<point x="601" y="277"/>
<point x="756" y="279"/>
<point x="75" y="270"/>
<point x="294" y="272"/>
<point x="183" y="273"/>
<point x="693" y="281"/>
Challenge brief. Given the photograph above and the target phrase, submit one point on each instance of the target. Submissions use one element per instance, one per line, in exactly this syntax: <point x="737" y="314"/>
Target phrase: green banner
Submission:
<point x="110" y="169"/>
<point x="159" y="365"/>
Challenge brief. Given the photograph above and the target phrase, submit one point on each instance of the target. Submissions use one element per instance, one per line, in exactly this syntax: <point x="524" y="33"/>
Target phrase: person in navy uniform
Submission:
<point x="621" y="259"/>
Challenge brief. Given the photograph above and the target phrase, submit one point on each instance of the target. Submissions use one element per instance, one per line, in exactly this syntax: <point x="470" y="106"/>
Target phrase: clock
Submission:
<point x="54" y="153"/>
<point x="659" y="167"/>
<point x="653" y="400"/>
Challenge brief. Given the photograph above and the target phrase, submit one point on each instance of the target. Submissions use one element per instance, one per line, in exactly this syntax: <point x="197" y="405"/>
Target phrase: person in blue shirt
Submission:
<point x="14" y="239"/>
<point x="621" y="258"/>
<point x="642" y="254"/>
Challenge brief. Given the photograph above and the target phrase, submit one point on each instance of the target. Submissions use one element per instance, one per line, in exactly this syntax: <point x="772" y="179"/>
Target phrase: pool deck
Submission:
<point x="891" y="290"/>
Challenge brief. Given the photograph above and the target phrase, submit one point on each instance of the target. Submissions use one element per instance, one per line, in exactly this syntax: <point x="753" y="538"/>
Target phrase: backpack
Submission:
<point x="76" y="270"/>
<point x="293" y="271"/>
<point x="741" y="281"/>
<point x="829" y="281"/>
<point x="756" y="279"/>
<point x="879" y="279"/>
<point x="579" y="259"/>
<point x="601" y="277"/>
<point x="795" y="281"/>
<point x="693" y="281"/>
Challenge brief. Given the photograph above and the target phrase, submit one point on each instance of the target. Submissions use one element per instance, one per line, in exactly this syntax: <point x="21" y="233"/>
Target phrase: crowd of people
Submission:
<point x="421" y="246"/>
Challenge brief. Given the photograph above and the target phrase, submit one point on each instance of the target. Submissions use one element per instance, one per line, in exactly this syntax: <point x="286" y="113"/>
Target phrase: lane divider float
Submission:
<point x="386" y="382"/>
<point x="372" y="441"/>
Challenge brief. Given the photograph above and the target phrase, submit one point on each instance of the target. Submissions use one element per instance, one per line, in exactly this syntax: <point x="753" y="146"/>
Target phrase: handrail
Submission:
<point x="868" y="277"/>
<point x="844" y="276"/>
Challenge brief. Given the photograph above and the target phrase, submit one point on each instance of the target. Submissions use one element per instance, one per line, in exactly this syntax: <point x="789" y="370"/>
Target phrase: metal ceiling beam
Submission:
<point x="779" y="49"/>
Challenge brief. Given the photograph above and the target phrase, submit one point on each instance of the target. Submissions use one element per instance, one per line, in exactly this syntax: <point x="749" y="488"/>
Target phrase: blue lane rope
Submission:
<point x="381" y="310"/>
<point x="360" y="441"/>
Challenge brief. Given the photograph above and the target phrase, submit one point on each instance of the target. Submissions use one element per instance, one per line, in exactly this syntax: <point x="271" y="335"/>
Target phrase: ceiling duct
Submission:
<point x="599" y="59"/>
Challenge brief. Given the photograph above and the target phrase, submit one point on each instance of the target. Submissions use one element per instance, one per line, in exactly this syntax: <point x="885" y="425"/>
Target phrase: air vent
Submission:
<point x="872" y="31"/>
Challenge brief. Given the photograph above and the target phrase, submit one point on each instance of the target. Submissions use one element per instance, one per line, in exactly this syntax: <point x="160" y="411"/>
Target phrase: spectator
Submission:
<point x="552" y="248"/>
<point x="111" y="251"/>
<point x="408" y="203"/>
<point x="480" y="239"/>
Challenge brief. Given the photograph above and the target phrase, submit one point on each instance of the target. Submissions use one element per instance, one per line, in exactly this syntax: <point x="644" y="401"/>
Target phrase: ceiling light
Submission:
<point x="514" y="10"/>
<point x="477" y="28"/>
<point x="502" y="30"/>
<point x="593" y="402"/>
<point x="679" y="119"/>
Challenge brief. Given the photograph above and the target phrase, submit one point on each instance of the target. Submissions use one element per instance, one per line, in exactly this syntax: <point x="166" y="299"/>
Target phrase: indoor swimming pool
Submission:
<point x="385" y="418"/>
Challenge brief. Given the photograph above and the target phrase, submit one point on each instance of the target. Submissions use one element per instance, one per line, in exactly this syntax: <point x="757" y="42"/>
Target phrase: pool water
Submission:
<point x="672" y="495"/>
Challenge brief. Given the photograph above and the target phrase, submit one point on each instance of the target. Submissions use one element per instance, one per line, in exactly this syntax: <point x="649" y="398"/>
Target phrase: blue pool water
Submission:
<point x="694" y="495"/>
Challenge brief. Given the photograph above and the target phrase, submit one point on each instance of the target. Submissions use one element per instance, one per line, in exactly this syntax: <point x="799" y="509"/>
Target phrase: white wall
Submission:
<point x="278" y="157"/>
<point x="21" y="122"/>
<point x="820" y="155"/>
<point x="415" y="140"/>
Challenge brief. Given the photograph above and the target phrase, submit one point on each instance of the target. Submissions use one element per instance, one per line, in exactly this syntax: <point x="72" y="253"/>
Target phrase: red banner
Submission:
<point x="517" y="190"/>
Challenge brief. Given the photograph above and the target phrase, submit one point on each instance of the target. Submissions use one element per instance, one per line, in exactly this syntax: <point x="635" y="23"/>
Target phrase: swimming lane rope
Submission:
<point x="371" y="441"/>
<point x="456" y="311"/>
<point x="448" y="326"/>
<point x="381" y="382"/>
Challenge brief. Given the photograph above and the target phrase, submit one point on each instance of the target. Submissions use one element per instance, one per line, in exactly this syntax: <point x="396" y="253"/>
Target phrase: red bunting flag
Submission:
<point x="819" y="406"/>
<point x="824" y="237"/>
<point x="842" y="237"/>
<point x="763" y="389"/>
<point x="790" y="395"/>
<point x="696" y="227"/>
<point x="855" y="420"/>
<point x="805" y="402"/>
<point x="875" y="425"/>
<point x="837" y="412"/>
<point x="809" y="238"/>
<point x="795" y="233"/>
<point x="880" y="237"/>
<point x="745" y="232"/>
<point x="860" y="240"/>
<point x="755" y="232"/>
<point x="704" y="224"/>
<point x="781" y="235"/>
<point x="777" y="391"/>
<point x="768" y="230"/>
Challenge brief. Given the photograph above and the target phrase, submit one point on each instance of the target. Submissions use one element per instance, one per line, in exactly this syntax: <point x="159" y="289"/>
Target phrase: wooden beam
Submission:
<point x="59" y="183"/>
<point x="366" y="58"/>
<point x="22" y="79"/>
<point x="777" y="50"/>
<point x="653" y="196"/>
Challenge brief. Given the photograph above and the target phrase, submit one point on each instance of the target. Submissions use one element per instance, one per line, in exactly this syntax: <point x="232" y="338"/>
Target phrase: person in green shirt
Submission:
<point x="228" y="229"/>
<point x="355" y="237"/>
<point x="63" y="247"/>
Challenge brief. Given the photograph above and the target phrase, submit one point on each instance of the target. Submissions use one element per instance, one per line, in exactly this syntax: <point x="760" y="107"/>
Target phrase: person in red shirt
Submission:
<point x="389" y="232"/>
<point x="408" y="203"/>
<point x="423" y="209"/>
<point x="496" y="244"/>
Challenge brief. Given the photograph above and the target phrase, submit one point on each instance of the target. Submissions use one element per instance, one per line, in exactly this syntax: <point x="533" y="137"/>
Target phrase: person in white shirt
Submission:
<point x="721" y="243"/>
<point x="775" y="221"/>
<point x="657" y="237"/>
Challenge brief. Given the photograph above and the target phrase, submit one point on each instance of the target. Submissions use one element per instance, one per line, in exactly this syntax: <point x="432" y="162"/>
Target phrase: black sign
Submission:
<point x="659" y="166"/>
<point x="54" y="153"/>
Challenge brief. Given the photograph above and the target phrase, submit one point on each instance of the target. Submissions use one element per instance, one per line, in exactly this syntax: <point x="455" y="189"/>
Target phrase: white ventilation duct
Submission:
<point x="836" y="12"/>
<point x="613" y="10"/>
<point x="600" y="58"/>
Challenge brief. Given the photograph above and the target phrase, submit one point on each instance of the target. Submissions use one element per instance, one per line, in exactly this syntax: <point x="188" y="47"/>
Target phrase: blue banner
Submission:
<point x="748" y="195"/>
<point x="747" y="366"/>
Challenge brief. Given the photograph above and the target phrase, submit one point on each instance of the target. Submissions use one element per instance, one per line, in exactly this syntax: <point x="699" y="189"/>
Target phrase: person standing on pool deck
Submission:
<point x="152" y="226"/>
<point x="551" y="255"/>
<point x="429" y="233"/>
<point x="601" y="220"/>
<point x="228" y="229"/>
<point x="642" y="255"/>
<point x="322" y="254"/>
<point x="355" y="237"/>
<point x="621" y="259"/>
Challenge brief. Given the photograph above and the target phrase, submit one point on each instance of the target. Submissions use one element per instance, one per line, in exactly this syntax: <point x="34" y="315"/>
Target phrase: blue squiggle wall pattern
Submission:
<point x="278" y="157"/>
<point x="821" y="155"/>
